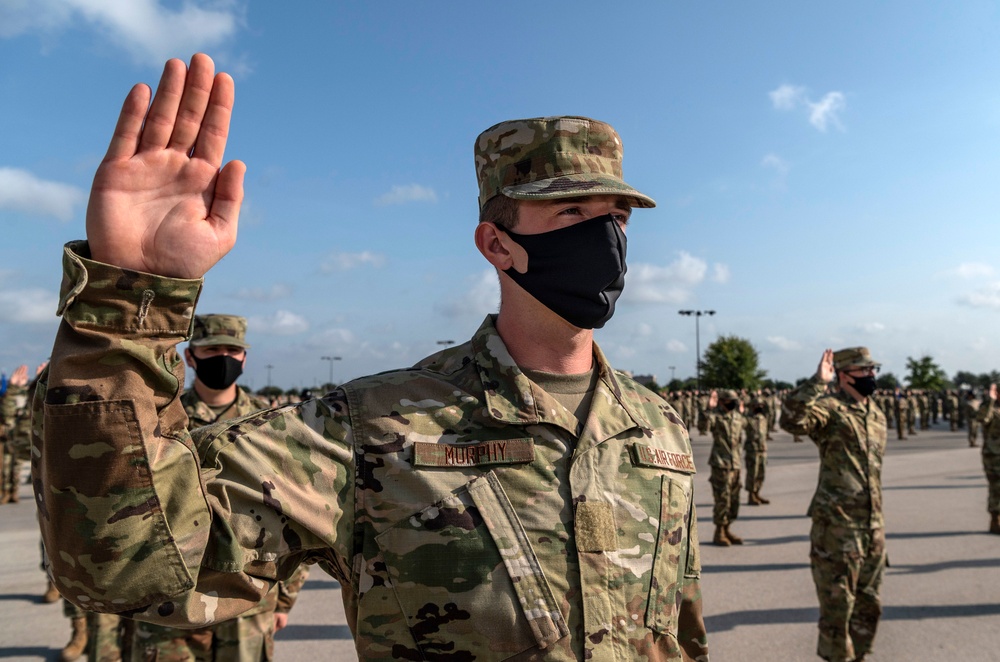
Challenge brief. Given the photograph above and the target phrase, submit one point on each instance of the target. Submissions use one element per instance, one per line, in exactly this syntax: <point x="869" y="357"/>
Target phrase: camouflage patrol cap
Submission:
<point x="546" y="158"/>
<point x="853" y="356"/>
<point x="219" y="330"/>
<point x="728" y="394"/>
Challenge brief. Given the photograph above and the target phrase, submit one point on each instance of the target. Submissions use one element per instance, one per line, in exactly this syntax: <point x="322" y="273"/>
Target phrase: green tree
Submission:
<point x="887" y="381"/>
<point x="926" y="374"/>
<point x="731" y="362"/>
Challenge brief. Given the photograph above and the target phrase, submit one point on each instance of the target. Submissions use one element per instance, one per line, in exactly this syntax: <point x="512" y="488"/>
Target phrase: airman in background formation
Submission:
<point x="972" y="405"/>
<point x="217" y="352"/>
<point x="755" y="447"/>
<point x="847" y="538"/>
<point x="989" y="417"/>
<point x="901" y="410"/>
<point x="727" y="425"/>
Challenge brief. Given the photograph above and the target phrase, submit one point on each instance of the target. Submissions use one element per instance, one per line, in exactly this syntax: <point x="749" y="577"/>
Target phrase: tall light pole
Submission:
<point x="331" y="359"/>
<point x="269" y="366"/>
<point x="697" y="339"/>
<point x="672" y="368"/>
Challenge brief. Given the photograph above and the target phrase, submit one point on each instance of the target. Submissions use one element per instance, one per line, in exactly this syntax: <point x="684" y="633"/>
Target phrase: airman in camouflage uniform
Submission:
<point x="972" y="405"/>
<point x="217" y="352"/>
<point x="847" y="538"/>
<point x="755" y="447"/>
<point x="15" y="433"/>
<point x="901" y="407"/>
<point x="727" y="424"/>
<point x="989" y="417"/>
<point x="467" y="511"/>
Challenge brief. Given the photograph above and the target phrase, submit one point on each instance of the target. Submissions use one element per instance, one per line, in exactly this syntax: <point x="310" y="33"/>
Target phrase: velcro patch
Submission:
<point x="501" y="451"/>
<point x="595" y="527"/>
<point x="650" y="456"/>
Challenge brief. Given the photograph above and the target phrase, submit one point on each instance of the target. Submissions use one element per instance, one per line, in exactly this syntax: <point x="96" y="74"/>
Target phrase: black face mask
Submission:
<point x="731" y="405"/>
<point x="865" y="386"/>
<point x="218" y="372"/>
<point x="577" y="272"/>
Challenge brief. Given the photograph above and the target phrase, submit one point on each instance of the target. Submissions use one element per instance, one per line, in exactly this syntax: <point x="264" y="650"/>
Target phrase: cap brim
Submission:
<point x="569" y="186"/>
<point x="219" y="340"/>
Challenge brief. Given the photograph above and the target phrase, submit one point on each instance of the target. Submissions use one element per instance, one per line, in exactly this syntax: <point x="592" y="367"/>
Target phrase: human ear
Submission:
<point x="490" y="243"/>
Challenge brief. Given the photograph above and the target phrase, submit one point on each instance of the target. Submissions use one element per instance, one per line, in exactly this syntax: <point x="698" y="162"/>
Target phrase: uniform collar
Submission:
<point x="514" y="399"/>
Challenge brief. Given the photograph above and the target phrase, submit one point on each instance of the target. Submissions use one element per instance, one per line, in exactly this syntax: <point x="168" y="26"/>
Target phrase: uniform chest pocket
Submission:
<point x="671" y="562"/>
<point x="467" y="579"/>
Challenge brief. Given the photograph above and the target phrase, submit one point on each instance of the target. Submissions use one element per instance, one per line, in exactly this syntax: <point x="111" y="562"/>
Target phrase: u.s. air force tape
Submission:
<point x="501" y="451"/>
<point x="650" y="456"/>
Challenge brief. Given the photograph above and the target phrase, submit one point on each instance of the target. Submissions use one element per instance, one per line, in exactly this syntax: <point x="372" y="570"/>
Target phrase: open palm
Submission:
<point x="160" y="203"/>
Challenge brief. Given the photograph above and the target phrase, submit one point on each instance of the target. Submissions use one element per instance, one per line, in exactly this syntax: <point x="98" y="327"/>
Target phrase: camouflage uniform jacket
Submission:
<point x="727" y="431"/>
<point x="851" y="437"/>
<point x="282" y="598"/>
<point x="455" y="501"/>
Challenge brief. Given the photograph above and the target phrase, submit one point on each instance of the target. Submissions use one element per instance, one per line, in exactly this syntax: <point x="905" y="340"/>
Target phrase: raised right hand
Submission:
<point x="159" y="202"/>
<point x="825" y="369"/>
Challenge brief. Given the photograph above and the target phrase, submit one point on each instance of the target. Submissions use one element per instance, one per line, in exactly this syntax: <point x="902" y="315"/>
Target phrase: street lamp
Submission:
<point x="672" y="368"/>
<point x="331" y="359"/>
<point x="697" y="339"/>
<point x="269" y="366"/>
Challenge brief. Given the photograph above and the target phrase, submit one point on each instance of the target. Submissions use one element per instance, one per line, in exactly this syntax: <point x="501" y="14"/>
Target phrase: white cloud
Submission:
<point x="481" y="297"/>
<point x="399" y="195"/>
<point x="647" y="283"/>
<point x="676" y="346"/>
<point x="644" y="330"/>
<point x="783" y="343"/>
<point x="822" y="114"/>
<point x="146" y="29"/>
<point x="871" y="327"/>
<point x="987" y="297"/>
<point x="720" y="273"/>
<point x="348" y="261"/>
<point x="34" y="306"/>
<point x="827" y="111"/>
<point x="787" y="97"/>
<point x="332" y="339"/>
<point x="22" y="191"/>
<point x="776" y="163"/>
<point x="281" y="323"/>
<point x="273" y="293"/>
<point x="973" y="270"/>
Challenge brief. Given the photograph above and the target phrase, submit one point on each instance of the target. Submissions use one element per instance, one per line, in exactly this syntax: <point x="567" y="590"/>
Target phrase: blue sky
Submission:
<point x="826" y="173"/>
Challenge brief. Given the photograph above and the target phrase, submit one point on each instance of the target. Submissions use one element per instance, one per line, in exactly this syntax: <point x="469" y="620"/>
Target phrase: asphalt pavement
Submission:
<point x="941" y="594"/>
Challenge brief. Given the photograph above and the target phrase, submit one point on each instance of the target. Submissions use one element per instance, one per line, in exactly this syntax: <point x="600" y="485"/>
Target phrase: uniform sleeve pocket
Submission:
<point x="670" y="560"/>
<point x="100" y="517"/>
<point x="467" y="579"/>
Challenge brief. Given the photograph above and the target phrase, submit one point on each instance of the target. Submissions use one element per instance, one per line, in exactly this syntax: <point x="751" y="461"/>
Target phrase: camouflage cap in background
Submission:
<point x="853" y="356"/>
<point x="728" y="395"/>
<point x="546" y="158"/>
<point x="219" y="330"/>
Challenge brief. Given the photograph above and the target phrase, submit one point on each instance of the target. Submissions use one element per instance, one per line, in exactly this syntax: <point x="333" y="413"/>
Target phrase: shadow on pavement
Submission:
<point x="931" y="534"/>
<point x="320" y="584"/>
<point x="23" y="597"/>
<point x="960" y="564"/>
<point x="764" y="567"/>
<point x="722" y="622"/>
<point x="23" y="652"/>
<point x="310" y="633"/>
